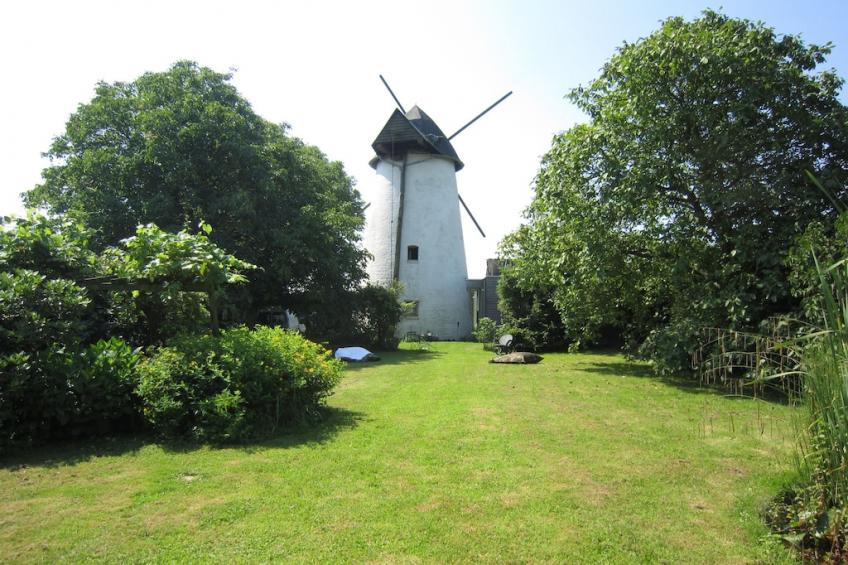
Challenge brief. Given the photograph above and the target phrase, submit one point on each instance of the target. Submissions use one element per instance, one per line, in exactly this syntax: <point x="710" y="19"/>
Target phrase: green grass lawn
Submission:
<point x="430" y="457"/>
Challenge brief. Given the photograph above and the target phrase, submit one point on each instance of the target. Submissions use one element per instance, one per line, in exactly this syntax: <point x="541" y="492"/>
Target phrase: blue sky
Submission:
<point x="316" y="65"/>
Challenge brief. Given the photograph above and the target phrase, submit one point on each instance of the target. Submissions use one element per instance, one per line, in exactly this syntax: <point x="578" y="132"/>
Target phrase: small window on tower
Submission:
<point x="412" y="253"/>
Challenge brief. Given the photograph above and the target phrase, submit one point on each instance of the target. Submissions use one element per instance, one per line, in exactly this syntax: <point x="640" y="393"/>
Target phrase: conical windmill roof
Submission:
<point x="415" y="131"/>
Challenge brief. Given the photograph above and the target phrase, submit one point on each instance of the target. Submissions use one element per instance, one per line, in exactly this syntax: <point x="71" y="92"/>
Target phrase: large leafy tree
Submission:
<point x="529" y="313"/>
<point x="675" y="206"/>
<point x="179" y="147"/>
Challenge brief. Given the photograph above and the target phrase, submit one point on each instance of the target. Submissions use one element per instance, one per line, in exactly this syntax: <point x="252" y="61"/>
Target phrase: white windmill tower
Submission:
<point x="413" y="227"/>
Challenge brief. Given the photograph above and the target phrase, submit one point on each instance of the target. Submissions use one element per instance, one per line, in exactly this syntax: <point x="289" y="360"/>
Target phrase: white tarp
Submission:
<point x="352" y="353"/>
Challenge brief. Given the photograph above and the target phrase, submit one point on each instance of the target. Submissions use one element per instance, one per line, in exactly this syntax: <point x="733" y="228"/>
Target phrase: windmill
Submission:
<point x="413" y="227"/>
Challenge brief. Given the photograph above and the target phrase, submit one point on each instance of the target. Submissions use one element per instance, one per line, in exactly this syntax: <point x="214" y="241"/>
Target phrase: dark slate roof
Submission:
<point x="416" y="131"/>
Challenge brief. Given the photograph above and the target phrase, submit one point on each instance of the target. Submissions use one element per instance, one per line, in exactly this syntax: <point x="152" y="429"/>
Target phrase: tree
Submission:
<point x="674" y="208"/>
<point x="531" y="311"/>
<point x="180" y="147"/>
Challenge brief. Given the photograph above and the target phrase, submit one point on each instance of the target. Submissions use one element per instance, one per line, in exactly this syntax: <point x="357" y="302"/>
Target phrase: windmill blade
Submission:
<point x="393" y="95"/>
<point x="366" y="206"/>
<point x="480" y="115"/>
<point x="470" y="215"/>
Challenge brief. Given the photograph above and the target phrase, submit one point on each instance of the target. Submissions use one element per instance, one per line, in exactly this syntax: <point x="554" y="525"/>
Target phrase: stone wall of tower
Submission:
<point x="431" y="222"/>
<point x="381" y="222"/>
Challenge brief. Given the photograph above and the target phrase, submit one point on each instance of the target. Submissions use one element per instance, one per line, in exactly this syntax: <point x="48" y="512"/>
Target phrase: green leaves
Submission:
<point x="183" y="149"/>
<point x="57" y="247"/>
<point x="677" y="204"/>
<point x="172" y="263"/>
<point x="241" y="384"/>
<point x="190" y="260"/>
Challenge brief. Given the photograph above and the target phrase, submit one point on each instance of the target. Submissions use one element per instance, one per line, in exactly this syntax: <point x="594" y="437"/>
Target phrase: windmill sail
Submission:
<point x="480" y="115"/>
<point x="470" y="215"/>
<point x="389" y="88"/>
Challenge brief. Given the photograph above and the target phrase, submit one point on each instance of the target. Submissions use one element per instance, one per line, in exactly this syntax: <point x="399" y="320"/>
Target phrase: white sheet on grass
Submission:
<point x="352" y="353"/>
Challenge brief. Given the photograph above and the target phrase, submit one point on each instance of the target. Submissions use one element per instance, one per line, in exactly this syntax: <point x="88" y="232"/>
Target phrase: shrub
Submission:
<point x="57" y="250"/>
<point x="45" y="321"/>
<point x="376" y="315"/>
<point x="485" y="330"/>
<point x="36" y="312"/>
<point x="529" y="312"/>
<point x="366" y="316"/>
<point x="58" y="298"/>
<point x="104" y="386"/>
<point x="34" y="397"/>
<point x="235" y="386"/>
<point x="166" y="265"/>
<point x="669" y="346"/>
<point x="830" y="240"/>
<point x="63" y="390"/>
<point x="56" y="247"/>
<point x="40" y="321"/>
<point x="52" y="383"/>
<point x="521" y="338"/>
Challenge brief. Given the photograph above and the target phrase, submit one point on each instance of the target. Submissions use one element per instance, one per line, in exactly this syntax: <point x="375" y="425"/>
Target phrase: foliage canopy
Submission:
<point x="175" y="263"/>
<point x="675" y="207"/>
<point x="183" y="146"/>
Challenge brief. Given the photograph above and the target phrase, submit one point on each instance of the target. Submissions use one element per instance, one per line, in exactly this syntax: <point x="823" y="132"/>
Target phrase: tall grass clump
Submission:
<point x="807" y="362"/>
<point x="824" y="366"/>
<point x="812" y="516"/>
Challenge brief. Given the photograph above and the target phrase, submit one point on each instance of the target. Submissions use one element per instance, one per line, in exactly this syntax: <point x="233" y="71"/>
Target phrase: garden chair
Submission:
<point x="504" y="344"/>
<point x="419" y="340"/>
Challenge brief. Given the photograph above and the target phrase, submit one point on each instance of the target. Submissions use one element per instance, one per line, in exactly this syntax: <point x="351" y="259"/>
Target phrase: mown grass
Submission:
<point x="431" y="456"/>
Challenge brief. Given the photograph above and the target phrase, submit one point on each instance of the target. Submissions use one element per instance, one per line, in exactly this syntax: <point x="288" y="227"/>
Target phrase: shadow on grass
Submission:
<point x="71" y="452"/>
<point x="686" y="384"/>
<point x="332" y="421"/>
<point x="399" y="357"/>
